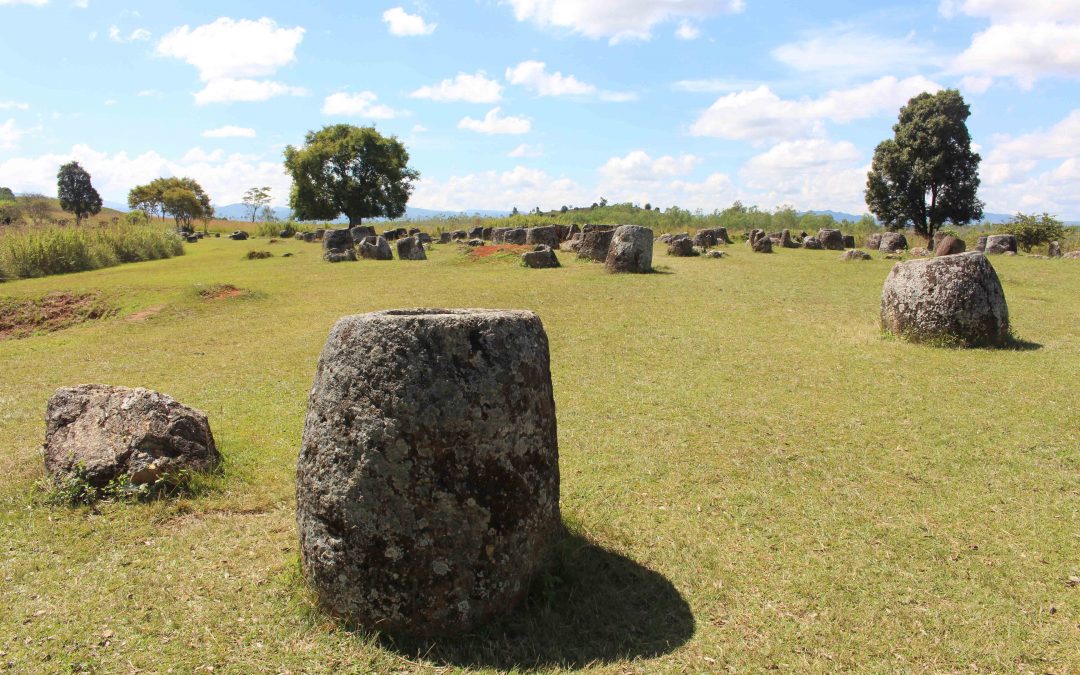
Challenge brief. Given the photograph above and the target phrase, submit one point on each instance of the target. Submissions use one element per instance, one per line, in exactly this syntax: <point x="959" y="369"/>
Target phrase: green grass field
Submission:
<point x="753" y="477"/>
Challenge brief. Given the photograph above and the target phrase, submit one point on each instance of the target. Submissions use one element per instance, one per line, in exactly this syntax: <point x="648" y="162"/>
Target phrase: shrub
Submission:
<point x="43" y="251"/>
<point x="286" y="229"/>
<point x="1032" y="230"/>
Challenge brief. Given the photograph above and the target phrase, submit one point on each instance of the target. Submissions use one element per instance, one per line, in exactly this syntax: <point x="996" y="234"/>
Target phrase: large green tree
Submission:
<point x="927" y="174"/>
<point x="356" y="171"/>
<point x="77" y="195"/>
<point x="182" y="198"/>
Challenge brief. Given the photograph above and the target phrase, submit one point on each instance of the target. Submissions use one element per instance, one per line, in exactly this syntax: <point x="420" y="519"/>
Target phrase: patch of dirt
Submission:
<point x="221" y="292"/>
<point x="23" y="317"/>
<point x="494" y="249"/>
<point x="143" y="315"/>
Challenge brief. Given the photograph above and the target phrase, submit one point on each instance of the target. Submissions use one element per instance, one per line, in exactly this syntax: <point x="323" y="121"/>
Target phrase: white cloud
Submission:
<point x="527" y="151"/>
<point x="1028" y="10"/>
<point x="360" y="104"/>
<point x="521" y="187"/>
<point x="225" y="177"/>
<point x="464" y="87"/>
<point x="32" y="3"/>
<point x="494" y="123"/>
<point x="687" y="31"/>
<point x="616" y="20"/>
<point x="403" y="24"/>
<point x="618" y="96"/>
<point x="150" y="93"/>
<point x="228" y="90"/>
<point x="815" y="174"/>
<point x="638" y="166"/>
<point x="14" y="105"/>
<point x="9" y="134"/>
<point x="419" y="129"/>
<point x="110" y="101"/>
<point x="197" y="154"/>
<point x="850" y="51"/>
<point x="1026" y="40"/>
<point x="81" y="4"/>
<point x="976" y="84"/>
<point x="228" y="48"/>
<point x="533" y="75"/>
<point x="1012" y="157"/>
<point x="1023" y="51"/>
<point x="712" y="86"/>
<point x="760" y="115"/>
<point x="229" y="131"/>
<point x="137" y="35"/>
<point x="228" y="54"/>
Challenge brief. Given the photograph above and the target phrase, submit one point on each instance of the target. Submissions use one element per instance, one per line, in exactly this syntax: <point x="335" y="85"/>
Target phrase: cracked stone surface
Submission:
<point x="953" y="298"/>
<point x="410" y="248"/>
<point x="428" y="477"/>
<point x="892" y="242"/>
<point x="105" y="432"/>
<point x="541" y="258"/>
<point x="545" y="235"/>
<point x="630" y="250"/>
<point x="594" y="244"/>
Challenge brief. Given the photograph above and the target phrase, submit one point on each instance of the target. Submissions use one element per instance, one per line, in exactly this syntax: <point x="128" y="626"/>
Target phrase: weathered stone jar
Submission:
<point x="428" y="478"/>
<point x="952" y="299"/>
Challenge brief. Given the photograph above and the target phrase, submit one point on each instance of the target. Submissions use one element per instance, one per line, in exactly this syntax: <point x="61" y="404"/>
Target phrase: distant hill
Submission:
<point x="240" y="212"/>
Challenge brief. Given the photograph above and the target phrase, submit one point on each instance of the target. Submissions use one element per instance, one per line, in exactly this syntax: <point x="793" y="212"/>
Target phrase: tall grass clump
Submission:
<point x="277" y="228"/>
<point x="42" y="251"/>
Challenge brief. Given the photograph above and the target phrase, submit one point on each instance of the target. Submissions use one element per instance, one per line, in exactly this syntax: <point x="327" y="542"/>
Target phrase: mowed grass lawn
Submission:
<point x="754" y="478"/>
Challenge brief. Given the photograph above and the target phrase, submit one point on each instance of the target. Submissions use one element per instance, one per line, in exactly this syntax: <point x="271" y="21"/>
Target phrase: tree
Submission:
<point x="6" y="195"/>
<point x="255" y="199"/>
<point x="356" y="171"/>
<point x="76" y="193"/>
<point x="1032" y="230"/>
<point x="927" y="173"/>
<point x="147" y="198"/>
<point x="267" y="214"/>
<point x="182" y="198"/>
<point x="36" y="207"/>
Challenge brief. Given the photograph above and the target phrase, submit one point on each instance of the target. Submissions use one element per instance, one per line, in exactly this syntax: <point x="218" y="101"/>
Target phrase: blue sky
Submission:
<point x="530" y="103"/>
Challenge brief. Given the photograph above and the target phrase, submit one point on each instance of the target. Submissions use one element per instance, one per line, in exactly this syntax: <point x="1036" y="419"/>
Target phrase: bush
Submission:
<point x="1032" y="230"/>
<point x="280" y="229"/>
<point x="43" y="251"/>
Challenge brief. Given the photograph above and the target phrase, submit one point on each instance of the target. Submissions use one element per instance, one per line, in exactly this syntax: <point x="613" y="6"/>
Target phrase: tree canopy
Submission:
<point x="182" y="198"/>
<point x="927" y="173"/>
<point x="77" y="195"/>
<point x="355" y="171"/>
<point x="6" y="195"/>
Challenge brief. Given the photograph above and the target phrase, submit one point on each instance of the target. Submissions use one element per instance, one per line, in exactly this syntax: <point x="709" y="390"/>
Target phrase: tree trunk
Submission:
<point x="354" y="221"/>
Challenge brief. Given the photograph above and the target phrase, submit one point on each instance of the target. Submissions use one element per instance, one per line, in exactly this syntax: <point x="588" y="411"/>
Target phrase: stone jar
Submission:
<point x="427" y="486"/>
<point x="952" y="299"/>
<point x="630" y="250"/>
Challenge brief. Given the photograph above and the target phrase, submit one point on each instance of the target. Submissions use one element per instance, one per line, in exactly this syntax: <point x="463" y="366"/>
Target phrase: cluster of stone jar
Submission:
<point x="427" y="486"/>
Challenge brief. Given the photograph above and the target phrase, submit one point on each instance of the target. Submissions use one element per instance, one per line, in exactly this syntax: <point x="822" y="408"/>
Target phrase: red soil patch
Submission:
<point x="493" y="249"/>
<point x="20" y="318"/>
<point x="145" y="314"/>
<point x="221" y="292"/>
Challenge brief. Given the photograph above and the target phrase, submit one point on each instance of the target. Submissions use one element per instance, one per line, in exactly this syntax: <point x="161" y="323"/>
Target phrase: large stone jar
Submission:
<point x="954" y="299"/>
<point x="428" y="478"/>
